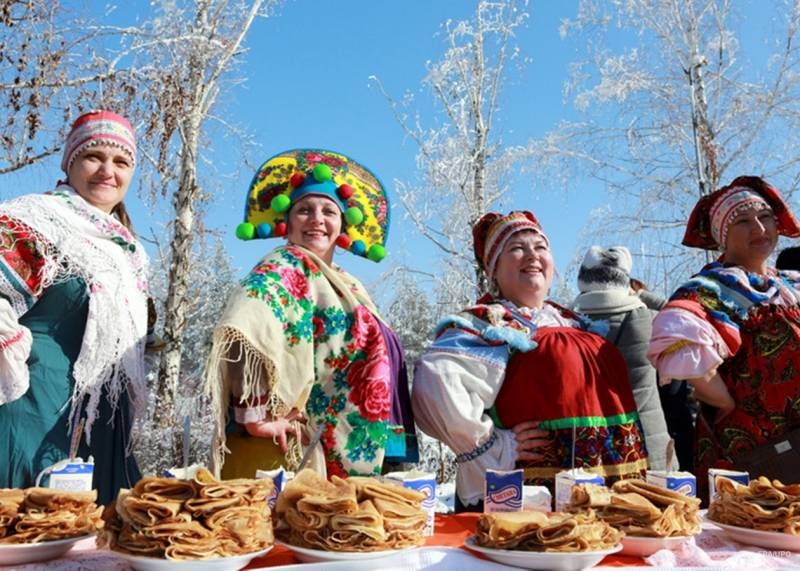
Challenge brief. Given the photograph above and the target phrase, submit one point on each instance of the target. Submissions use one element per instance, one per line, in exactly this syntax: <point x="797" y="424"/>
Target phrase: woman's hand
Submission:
<point x="278" y="429"/>
<point x="530" y="439"/>
<point x="711" y="389"/>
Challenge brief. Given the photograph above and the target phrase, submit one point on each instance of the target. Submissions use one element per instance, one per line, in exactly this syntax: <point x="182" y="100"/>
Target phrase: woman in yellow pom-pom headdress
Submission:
<point x="300" y="352"/>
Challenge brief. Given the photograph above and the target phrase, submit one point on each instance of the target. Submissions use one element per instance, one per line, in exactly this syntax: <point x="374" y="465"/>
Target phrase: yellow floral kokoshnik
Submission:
<point x="299" y="172"/>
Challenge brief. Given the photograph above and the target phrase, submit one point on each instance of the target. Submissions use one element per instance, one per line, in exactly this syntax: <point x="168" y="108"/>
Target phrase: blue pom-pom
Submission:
<point x="358" y="247"/>
<point x="264" y="230"/>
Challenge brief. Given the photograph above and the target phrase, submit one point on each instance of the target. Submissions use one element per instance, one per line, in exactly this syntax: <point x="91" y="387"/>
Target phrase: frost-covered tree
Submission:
<point x="50" y="70"/>
<point x="674" y="105"/>
<point x="186" y="55"/>
<point x="411" y="315"/>
<point x="464" y="168"/>
<point x="211" y="282"/>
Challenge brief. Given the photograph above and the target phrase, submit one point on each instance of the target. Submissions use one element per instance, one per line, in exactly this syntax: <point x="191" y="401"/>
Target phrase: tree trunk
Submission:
<point x="177" y="300"/>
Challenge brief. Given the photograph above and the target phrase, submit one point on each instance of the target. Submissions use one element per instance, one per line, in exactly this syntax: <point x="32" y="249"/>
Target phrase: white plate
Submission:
<point x="307" y="555"/>
<point x="19" y="553"/>
<point x="551" y="560"/>
<point x="140" y="563"/>
<point x="769" y="539"/>
<point x="646" y="546"/>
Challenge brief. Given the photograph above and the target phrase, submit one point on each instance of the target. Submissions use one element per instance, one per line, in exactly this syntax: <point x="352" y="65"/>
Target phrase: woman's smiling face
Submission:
<point x="525" y="269"/>
<point x="314" y="223"/>
<point x="101" y="175"/>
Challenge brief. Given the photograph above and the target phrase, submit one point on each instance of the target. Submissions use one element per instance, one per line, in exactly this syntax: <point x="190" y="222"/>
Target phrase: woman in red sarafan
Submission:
<point x="733" y="330"/>
<point x="518" y="381"/>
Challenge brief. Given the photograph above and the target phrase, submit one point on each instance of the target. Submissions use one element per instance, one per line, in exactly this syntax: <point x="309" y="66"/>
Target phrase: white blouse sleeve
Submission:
<point x="450" y="396"/>
<point x="15" y="347"/>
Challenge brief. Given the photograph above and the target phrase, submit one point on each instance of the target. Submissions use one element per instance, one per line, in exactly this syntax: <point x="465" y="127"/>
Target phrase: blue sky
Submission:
<point x="307" y="85"/>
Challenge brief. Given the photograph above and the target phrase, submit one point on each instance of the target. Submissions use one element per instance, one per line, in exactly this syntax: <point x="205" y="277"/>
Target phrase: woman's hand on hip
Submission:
<point x="530" y="440"/>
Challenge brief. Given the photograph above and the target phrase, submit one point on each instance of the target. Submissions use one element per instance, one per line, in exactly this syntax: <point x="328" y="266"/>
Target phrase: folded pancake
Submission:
<point x="166" y="488"/>
<point x="366" y="520"/>
<point x="763" y="493"/>
<point x="50" y="500"/>
<point x="175" y="531"/>
<point x="146" y="512"/>
<point x="204" y="507"/>
<point x="188" y="552"/>
<point x="250" y="490"/>
<point x="536" y="531"/>
<point x="658" y="495"/>
<point x="305" y="520"/>
<point x="589" y="496"/>
<point x="132" y="541"/>
<point x="308" y="491"/>
<point x="343" y="503"/>
<point x="248" y="527"/>
<point x="762" y="505"/>
<point x="370" y="488"/>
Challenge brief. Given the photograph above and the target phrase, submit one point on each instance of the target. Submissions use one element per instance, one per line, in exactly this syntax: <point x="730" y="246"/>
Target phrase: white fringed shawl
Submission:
<point x="74" y="239"/>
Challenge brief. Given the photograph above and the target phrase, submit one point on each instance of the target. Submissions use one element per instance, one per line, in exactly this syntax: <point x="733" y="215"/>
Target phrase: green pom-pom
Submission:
<point x="245" y="231"/>
<point x="280" y="203"/>
<point x="376" y="253"/>
<point x="322" y="172"/>
<point x="353" y="216"/>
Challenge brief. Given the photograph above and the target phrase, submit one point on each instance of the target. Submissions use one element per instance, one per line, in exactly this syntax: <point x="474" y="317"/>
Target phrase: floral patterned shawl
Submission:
<point x="307" y="337"/>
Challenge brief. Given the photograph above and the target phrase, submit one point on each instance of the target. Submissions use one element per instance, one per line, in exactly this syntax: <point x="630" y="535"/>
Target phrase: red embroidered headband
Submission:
<point x="708" y="221"/>
<point x="98" y="128"/>
<point x="491" y="233"/>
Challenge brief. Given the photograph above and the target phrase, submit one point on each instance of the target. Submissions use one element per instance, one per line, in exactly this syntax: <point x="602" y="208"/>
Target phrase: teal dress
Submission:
<point x="34" y="429"/>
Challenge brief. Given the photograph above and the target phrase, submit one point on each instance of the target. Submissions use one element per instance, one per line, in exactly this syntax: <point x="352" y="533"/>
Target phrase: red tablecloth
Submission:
<point x="451" y="531"/>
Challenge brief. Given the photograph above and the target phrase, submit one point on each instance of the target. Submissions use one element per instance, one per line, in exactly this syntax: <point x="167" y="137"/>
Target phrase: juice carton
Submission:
<point x="422" y="482"/>
<point x="503" y="492"/>
<point x="681" y="482"/>
<point x="73" y="475"/>
<point x="740" y="477"/>
<point x="568" y="478"/>
<point x="279" y="478"/>
<point x="536" y="498"/>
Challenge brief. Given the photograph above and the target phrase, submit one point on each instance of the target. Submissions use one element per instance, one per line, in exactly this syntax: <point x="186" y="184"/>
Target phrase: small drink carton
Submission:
<point x="503" y="492"/>
<point x="568" y="478"/>
<point x="681" y="482"/>
<point x="73" y="475"/>
<point x="279" y="478"/>
<point x="740" y="477"/>
<point x="424" y="482"/>
<point x="536" y="499"/>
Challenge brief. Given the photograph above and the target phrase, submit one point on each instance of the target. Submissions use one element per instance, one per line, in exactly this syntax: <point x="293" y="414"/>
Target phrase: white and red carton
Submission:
<point x="682" y="482"/>
<point x="566" y="479"/>
<point x="503" y="491"/>
<point x="424" y="482"/>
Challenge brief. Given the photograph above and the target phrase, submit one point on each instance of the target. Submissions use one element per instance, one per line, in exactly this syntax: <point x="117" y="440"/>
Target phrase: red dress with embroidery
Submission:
<point x="577" y="379"/>
<point x="763" y="377"/>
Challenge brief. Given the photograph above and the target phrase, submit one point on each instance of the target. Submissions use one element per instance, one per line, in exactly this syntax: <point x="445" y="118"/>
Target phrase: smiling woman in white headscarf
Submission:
<point x="73" y="315"/>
